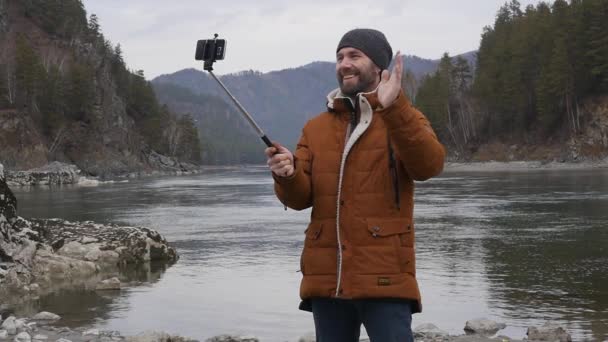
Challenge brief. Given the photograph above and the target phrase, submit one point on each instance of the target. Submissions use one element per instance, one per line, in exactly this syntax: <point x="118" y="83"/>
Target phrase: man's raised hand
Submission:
<point x="390" y="83"/>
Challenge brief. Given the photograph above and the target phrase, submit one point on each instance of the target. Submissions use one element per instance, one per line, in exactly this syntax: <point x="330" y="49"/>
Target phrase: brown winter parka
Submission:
<point x="360" y="240"/>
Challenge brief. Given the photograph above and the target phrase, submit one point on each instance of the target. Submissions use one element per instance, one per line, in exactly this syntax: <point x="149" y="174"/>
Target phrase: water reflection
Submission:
<point x="83" y="306"/>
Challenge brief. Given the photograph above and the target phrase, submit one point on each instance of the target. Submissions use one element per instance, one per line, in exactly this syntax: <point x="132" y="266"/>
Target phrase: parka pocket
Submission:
<point x="394" y="239"/>
<point x="313" y="234"/>
<point x="400" y="228"/>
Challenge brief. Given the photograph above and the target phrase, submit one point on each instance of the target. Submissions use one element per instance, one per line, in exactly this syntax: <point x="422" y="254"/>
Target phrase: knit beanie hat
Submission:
<point x="371" y="42"/>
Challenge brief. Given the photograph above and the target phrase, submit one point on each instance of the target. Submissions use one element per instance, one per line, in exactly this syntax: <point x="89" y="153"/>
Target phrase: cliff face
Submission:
<point x="62" y="97"/>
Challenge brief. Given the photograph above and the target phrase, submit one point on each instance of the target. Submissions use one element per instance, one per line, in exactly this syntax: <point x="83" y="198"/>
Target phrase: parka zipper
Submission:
<point x="353" y="122"/>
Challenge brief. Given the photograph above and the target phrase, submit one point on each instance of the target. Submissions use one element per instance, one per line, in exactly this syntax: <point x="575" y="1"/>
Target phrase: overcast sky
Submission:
<point x="159" y="36"/>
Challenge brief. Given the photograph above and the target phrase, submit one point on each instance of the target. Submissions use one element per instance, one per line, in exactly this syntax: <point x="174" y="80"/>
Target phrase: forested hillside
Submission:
<point x="541" y="82"/>
<point x="227" y="138"/>
<point x="66" y="94"/>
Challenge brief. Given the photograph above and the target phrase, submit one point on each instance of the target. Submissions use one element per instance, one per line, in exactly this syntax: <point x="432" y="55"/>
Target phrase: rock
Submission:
<point x="8" y="202"/>
<point x="40" y="337"/>
<point x="156" y="336"/>
<point x="21" y="325"/>
<point x="3" y="334"/>
<point x="46" y="316"/>
<point x="91" y="332"/>
<point x="548" y="332"/>
<point x="34" y="288"/>
<point x="149" y="336"/>
<point x="310" y="337"/>
<point x="74" y="249"/>
<point x="483" y="326"/>
<point x="23" y="337"/>
<point x="10" y="325"/>
<point x="428" y="330"/>
<point x="87" y="239"/>
<point x="108" y="284"/>
<point x="229" y="338"/>
<point x="49" y="266"/>
<point x="55" y="173"/>
<point x="103" y="258"/>
<point x="63" y="340"/>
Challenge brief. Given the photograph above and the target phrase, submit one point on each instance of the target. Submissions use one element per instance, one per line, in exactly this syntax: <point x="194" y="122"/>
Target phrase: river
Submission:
<point x="518" y="247"/>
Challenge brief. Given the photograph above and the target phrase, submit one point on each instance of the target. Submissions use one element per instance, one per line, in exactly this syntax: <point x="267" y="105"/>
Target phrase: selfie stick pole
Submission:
<point x="244" y="111"/>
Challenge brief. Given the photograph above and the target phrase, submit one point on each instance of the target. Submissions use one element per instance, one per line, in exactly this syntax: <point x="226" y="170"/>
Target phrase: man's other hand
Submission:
<point x="280" y="160"/>
<point x="390" y="83"/>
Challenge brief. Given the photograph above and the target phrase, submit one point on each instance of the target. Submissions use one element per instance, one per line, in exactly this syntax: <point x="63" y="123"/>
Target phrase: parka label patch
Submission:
<point x="384" y="281"/>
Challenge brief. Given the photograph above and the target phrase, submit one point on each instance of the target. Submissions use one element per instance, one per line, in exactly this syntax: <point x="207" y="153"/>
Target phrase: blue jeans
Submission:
<point x="339" y="320"/>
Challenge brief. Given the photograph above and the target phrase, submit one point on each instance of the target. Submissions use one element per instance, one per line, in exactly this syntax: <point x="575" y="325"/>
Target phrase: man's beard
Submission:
<point x="365" y="83"/>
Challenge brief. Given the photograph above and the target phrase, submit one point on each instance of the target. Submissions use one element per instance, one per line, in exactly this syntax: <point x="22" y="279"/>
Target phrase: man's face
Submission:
<point x="356" y="72"/>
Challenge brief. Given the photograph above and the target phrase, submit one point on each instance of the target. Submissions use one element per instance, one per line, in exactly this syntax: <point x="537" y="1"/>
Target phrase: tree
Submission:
<point x="28" y="74"/>
<point x="52" y="101"/>
<point x="597" y="35"/>
<point x="94" y="28"/>
<point x="80" y="92"/>
<point x="409" y="84"/>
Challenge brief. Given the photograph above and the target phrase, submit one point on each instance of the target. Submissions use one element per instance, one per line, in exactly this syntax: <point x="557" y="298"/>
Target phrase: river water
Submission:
<point x="521" y="247"/>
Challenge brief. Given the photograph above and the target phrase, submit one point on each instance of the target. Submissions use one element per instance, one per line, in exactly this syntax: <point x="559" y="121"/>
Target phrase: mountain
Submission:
<point x="280" y="101"/>
<point x="66" y="95"/>
<point x="226" y="138"/>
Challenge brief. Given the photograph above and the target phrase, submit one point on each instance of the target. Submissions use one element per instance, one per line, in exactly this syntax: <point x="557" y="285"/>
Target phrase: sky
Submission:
<point x="159" y="36"/>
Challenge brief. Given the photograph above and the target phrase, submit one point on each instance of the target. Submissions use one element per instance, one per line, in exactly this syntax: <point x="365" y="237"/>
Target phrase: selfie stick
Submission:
<point x="209" y="67"/>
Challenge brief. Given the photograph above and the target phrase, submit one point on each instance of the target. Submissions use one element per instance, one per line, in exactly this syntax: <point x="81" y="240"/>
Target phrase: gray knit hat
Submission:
<point x="371" y="42"/>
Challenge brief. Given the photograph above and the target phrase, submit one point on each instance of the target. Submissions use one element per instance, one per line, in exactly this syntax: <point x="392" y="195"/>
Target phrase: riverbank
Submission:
<point x="44" y="326"/>
<point x="57" y="173"/>
<point x="523" y="166"/>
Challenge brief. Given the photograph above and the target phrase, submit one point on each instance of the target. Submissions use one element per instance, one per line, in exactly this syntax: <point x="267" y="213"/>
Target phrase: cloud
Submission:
<point x="159" y="36"/>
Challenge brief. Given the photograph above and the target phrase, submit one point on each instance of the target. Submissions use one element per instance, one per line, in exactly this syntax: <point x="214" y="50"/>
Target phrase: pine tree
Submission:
<point x="597" y="34"/>
<point x="28" y="74"/>
<point x="80" y="92"/>
<point x="94" y="28"/>
<point x="52" y="101"/>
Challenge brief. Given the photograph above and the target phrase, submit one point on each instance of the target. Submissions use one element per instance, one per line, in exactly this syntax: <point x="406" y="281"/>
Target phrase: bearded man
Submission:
<point x="355" y="165"/>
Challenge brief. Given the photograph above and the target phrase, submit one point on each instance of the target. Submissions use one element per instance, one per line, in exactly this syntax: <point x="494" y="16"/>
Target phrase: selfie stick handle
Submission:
<point x="247" y="115"/>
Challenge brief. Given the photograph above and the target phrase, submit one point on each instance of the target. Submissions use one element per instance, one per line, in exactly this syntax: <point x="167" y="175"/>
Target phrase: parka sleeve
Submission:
<point x="295" y="192"/>
<point x="417" y="145"/>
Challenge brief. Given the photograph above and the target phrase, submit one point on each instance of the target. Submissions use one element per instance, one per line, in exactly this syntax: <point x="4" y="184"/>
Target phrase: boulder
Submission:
<point x="483" y="326"/>
<point x="230" y="338"/>
<point x="3" y="334"/>
<point x="428" y="331"/>
<point x="310" y="337"/>
<point x="91" y="332"/>
<point x="10" y="325"/>
<point x="108" y="284"/>
<point x="46" y="316"/>
<point x="156" y="336"/>
<point x="23" y="337"/>
<point x="8" y="202"/>
<point x="548" y="332"/>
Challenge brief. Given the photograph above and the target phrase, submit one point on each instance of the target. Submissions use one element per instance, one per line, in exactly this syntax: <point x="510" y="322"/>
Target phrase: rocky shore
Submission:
<point x="57" y="173"/>
<point x="39" y="256"/>
<point x="43" y="327"/>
